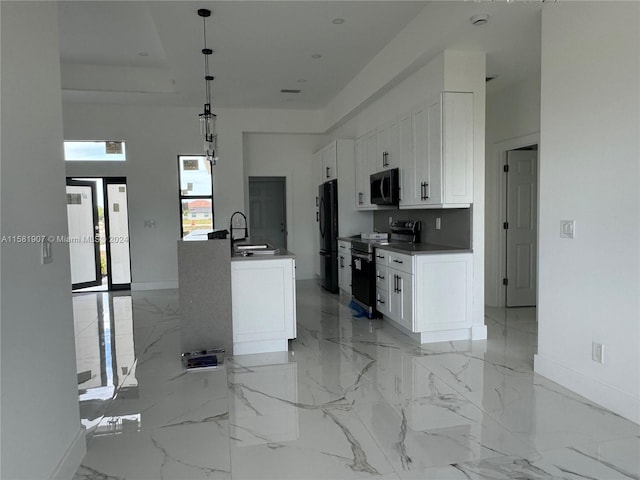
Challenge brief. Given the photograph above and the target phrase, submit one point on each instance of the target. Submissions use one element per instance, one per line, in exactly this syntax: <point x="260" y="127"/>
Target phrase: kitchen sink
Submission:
<point x="247" y="249"/>
<point x="252" y="246"/>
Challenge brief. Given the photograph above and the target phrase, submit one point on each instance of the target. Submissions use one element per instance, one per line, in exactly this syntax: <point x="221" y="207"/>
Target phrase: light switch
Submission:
<point x="567" y="228"/>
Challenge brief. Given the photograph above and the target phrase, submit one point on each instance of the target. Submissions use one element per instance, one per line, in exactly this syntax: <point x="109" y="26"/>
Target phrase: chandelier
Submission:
<point x="208" y="118"/>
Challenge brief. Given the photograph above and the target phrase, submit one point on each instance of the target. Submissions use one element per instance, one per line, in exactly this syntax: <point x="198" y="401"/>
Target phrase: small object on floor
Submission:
<point x="358" y="310"/>
<point x="203" y="359"/>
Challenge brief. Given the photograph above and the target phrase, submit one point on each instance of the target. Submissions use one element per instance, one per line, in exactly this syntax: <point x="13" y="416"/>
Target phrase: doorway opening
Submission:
<point x="98" y="222"/>
<point x="268" y="210"/>
<point x="521" y="226"/>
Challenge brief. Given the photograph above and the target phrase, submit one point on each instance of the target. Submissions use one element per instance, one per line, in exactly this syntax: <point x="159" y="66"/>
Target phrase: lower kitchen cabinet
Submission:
<point x="263" y="294"/>
<point x="443" y="286"/>
<point x="429" y="296"/>
<point x="382" y="288"/>
<point x="401" y="298"/>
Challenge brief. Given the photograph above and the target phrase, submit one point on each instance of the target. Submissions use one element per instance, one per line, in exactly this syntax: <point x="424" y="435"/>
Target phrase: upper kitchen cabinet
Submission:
<point x="439" y="173"/>
<point x="387" y="151"/>
<point x="329" y="161"/>
<point x="365" y="163"/>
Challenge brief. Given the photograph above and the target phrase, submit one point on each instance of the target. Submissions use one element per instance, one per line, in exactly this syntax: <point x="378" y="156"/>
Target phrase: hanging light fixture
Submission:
<point x="207" y="117"/>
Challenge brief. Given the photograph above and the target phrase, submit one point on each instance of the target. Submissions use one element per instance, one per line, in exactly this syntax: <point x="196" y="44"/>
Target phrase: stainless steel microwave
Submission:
<point x="385" y="187"/>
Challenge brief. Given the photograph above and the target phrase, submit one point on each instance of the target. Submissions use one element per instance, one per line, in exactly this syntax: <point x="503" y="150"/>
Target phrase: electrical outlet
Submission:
<point x="567" y="228"/>
<point x="438" y="223"/>
<point x="597" y="352"/>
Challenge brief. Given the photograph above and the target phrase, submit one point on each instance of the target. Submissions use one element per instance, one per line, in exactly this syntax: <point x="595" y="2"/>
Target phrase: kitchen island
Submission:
<point x="242" y="303"/>
<point x="263" y="292"/>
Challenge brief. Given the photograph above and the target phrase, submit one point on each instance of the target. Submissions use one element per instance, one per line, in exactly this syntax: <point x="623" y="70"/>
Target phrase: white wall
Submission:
<point x="449" y="71"/>
<point x="290" y="156"/>
<point x="41" y="432"/>
<point x="589" y="172"/>
<point x="155" y="136"/>
<point x="513" y="121"/>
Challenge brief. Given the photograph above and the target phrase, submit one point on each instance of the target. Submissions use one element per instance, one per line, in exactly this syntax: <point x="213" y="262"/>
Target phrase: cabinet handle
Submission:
<point x="380" y="277"/>
<point x="379" y="256"/>
<point x="317" y="201"/>
<point x="399" y="284"/>
<point x="380" y="301"/>
<point x="397" y="261"/>
<point x="342" y="246"/>
<point x="341" y="262"/>
<point x="360" y="201"/>
<point x="317" y="216"/>
<point x="395" y="283"/>
<point x="385" y="159"/>
<point x="328" y="172"/>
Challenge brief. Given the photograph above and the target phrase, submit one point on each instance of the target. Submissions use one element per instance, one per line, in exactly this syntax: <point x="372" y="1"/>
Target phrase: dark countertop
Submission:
<point x="421" y="248"/>
<point x="410" y="248"/>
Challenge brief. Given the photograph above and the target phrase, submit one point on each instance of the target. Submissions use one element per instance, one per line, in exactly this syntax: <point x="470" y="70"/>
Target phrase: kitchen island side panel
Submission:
<point x="204" y="276"/>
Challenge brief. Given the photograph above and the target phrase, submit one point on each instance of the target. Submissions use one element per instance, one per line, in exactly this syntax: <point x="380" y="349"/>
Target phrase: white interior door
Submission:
<point x="82" y="218"/>
<point x="521" y="232"/>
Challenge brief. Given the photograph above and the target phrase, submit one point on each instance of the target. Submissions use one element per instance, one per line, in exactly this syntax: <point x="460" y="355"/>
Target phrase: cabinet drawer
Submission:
<point x="381" y="256"/>
<point x="382" y="277"/>
<point x="344" y="247"/>
<point x="382" y="301"/>
<point x="400" y="262"/>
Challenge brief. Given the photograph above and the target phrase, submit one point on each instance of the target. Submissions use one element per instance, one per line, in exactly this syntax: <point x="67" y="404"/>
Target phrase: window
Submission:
<point x="196" y="193"/>
<point x="94" y="151"/>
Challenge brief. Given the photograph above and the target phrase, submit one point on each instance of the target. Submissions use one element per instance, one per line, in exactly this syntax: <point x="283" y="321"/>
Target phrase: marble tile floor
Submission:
<point x="353" y="398"/>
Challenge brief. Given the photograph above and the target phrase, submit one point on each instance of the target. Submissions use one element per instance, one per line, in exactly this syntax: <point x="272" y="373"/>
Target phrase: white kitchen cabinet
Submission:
<point x="429" y="296"/>
<point x="382" y="289"/>
<point x="440" y="174"/>
<point x="400" y="287"/>
<point x="405" y="155"/>
<point x="329" y="162"/>
<point x="344" y="266"/>
<point x="387" y="147"/>
<point x="366" y="154"/>
<point x="443" y="292"/>
<point x="263" y="304"/>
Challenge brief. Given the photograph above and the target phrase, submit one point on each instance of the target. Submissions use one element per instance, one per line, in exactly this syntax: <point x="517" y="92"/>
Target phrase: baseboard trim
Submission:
<point x="141" y="286"/>
<point x="479" y="332"/>
<point x="70" y="462"/>
<point x="607" y="396"/>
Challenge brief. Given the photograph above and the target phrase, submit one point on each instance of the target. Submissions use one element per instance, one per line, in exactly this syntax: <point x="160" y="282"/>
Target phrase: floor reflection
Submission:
<point x="105" y="358"/>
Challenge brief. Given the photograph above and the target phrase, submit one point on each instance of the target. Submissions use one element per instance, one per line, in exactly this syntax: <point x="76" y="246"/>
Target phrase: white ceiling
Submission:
<point x="150" y="52"/>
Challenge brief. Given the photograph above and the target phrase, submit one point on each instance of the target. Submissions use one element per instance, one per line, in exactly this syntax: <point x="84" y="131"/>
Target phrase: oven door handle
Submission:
<point x="362" y="256"/>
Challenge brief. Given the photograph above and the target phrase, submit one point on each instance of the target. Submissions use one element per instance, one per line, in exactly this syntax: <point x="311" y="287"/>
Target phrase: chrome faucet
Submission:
<point x="232" y="228"/>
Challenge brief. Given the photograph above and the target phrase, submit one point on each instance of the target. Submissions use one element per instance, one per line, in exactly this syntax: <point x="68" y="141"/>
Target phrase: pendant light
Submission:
<point x="207" y="117"/>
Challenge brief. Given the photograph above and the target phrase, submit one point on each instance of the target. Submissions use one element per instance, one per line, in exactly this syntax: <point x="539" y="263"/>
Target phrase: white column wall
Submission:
<point x="41" y="432"/>
<point x="589" y="288"/>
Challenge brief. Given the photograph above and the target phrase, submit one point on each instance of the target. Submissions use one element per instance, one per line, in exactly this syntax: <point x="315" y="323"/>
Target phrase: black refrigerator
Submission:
<point x="328" y="221"/>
